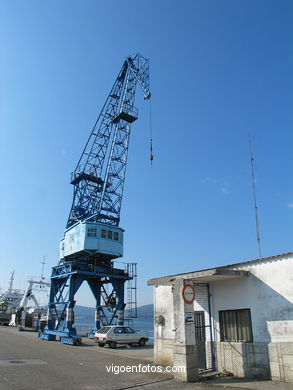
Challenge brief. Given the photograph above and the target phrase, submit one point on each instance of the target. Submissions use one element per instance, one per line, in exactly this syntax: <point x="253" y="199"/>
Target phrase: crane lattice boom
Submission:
<point x="99" y="176"/>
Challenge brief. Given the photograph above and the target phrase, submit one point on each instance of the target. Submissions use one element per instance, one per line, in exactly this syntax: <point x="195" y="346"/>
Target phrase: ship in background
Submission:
<point x="32" y="311"/>
<point x="25" y="308"/>
<point x="9" y="301"/>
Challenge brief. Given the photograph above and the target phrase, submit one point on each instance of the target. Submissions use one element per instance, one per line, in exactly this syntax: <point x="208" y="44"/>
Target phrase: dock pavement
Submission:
<point x="28" y="363"/>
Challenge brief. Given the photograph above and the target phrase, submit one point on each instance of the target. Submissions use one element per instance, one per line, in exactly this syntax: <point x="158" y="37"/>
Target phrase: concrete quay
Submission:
<point x="27" y="363"/>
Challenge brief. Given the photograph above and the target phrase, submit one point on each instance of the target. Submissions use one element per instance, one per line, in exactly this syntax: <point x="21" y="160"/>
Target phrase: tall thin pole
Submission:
<point x="10" y="287"/>
<point x="43" y="264"/>
<point x="254" y="198"/>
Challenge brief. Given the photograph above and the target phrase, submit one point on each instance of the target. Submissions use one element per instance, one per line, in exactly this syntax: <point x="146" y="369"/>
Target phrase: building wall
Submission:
<point x="281" y="361"/>
<point x="268" y="293"/>
<point x="249" y="360"/>
<point x="164" y="327"/>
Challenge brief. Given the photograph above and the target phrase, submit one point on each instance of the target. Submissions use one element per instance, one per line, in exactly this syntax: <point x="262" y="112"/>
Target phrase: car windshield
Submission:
<point x="104" y="329"/>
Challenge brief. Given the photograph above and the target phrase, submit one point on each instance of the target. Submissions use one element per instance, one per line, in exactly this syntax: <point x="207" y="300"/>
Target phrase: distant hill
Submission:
<point x="146" y="310"/>
<point x="84" y="311"/>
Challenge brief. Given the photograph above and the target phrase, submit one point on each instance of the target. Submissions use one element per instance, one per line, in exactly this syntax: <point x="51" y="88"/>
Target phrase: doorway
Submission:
<point x="200" y="338"/>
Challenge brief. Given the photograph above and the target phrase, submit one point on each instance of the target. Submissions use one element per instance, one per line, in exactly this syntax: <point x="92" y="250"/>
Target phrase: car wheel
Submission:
<point x="141" y="342"/>
<point x="112" y="344"/>
<point x="101" y="345"/>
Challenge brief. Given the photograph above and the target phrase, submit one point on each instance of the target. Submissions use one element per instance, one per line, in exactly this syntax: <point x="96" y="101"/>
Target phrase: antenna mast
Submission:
<point x="254" y="198"/>
<point x="10" y="287"/>
<point x="43" y="264"/>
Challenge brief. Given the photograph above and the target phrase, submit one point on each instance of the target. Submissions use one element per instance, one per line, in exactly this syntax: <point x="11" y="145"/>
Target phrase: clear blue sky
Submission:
<point x="219" y="70"/>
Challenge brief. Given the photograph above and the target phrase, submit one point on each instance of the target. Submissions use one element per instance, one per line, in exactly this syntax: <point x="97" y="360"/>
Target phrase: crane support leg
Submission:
<point x="119" y="287"/>
<point x="95" y="286"/>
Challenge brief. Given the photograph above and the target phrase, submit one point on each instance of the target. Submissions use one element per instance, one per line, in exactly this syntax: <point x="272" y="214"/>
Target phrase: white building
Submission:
<point x="236" y="318"/>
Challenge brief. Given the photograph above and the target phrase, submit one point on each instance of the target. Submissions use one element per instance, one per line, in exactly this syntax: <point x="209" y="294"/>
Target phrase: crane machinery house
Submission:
<point x="92" y="238"/>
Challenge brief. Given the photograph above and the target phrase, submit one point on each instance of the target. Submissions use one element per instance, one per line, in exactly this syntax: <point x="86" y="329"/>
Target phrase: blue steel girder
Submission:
<point x="62" y="295"/>
<point x="118" y="307"/>
<point x="99" y="176"/>
<point x="85" y="269"/>
<point x="95" y="286"/>
<point x="66" y="280"/>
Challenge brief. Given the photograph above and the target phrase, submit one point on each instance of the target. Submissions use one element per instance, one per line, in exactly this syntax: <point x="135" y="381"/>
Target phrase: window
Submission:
<point x="104" y="329"/>
<point x="128" y="330"/>
<point x="119" y="330"/>
<point x="200" y="329"/>
<point x="109" y="234"/>
<point x="92" y="232"/>
<point x="235" y="325"/>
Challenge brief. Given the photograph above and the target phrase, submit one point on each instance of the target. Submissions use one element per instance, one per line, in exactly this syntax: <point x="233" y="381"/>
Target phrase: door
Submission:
<point x="200" y="338"/>
<point x="132" y="337"/>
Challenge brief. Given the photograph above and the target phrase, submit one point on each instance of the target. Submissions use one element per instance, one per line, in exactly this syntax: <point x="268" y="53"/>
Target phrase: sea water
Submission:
<point x="140" y="324"/>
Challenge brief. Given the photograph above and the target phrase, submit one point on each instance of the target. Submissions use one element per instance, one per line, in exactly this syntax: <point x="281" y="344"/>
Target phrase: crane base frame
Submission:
<point x="66" y="279"/>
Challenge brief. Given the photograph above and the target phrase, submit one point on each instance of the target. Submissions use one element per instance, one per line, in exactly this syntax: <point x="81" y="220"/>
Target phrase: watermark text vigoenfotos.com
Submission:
<point x="143" y="368"/>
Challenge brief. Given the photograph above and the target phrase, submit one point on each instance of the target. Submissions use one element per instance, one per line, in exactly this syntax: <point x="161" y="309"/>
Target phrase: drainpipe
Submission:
<point x="211" y="331"/>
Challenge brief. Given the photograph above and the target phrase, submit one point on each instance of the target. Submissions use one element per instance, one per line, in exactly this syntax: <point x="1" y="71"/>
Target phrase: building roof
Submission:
<point x="213" y="274"/>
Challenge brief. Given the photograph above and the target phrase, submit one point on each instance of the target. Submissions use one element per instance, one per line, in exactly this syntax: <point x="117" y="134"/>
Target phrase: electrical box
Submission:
<point x="94" y="239"/>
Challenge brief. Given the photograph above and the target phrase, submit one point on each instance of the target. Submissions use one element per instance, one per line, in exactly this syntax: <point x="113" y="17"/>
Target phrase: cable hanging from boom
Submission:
<point x="151" y="136"/>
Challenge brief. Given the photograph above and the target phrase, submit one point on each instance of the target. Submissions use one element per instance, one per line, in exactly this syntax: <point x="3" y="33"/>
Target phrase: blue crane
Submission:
<point x="93" y="238"/>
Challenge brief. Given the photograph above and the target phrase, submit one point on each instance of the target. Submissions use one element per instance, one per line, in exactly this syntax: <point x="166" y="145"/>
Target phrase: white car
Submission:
<point x="118" y="334"/>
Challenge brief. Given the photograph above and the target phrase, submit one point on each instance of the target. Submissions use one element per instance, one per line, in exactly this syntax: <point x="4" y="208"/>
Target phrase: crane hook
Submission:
<point x="151" y="152"/>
